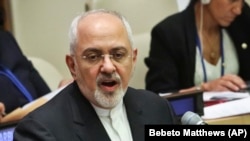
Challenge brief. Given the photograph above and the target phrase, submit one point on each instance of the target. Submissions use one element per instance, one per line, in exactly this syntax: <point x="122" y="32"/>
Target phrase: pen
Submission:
<point x="246" y="89"/>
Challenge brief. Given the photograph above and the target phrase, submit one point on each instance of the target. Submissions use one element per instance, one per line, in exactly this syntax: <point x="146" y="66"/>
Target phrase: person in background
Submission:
<point x="205" y="47"/>
<point x="20" y="82"/>
<point x="98" y="105"/>
<point x="2" y="110"/>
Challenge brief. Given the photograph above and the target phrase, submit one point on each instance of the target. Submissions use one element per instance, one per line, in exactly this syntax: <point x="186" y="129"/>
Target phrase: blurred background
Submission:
<point x="41" y="26"/>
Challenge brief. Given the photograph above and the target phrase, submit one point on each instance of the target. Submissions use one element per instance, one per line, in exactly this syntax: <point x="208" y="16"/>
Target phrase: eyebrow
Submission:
<point x="94" y="49"/>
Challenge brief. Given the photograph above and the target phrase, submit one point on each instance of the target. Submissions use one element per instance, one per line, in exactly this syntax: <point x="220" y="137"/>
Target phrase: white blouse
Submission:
<point x="231" y="64"/>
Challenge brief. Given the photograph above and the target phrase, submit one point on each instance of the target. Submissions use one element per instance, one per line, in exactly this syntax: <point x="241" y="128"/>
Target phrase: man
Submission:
<point x="98" y="105"/>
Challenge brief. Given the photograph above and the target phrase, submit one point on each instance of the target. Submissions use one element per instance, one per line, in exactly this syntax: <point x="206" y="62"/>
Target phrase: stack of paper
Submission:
<point x="237" y="104"/>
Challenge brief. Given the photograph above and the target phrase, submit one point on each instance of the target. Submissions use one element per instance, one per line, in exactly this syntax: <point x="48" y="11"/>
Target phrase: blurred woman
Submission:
<point x="206" y="47"/>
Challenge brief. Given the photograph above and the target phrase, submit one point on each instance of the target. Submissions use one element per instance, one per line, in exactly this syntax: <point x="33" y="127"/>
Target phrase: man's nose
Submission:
<point x="107" y="65"/>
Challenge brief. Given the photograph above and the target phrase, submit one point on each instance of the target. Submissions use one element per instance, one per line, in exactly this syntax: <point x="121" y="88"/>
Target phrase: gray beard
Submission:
<point x="109" y="100"/>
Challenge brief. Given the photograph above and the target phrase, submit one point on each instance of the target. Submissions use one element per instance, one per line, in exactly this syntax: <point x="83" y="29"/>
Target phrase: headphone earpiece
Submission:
<point x="205" y="1"/>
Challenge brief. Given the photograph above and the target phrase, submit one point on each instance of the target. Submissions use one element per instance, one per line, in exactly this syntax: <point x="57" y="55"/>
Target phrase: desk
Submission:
<point x="240" y="119"/>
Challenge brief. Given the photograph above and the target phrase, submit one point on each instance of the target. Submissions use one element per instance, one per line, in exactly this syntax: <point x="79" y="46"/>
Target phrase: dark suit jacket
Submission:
<point x="171" y="60"/>
<point x="12" y="57"/>
<point x="70" y="117"/>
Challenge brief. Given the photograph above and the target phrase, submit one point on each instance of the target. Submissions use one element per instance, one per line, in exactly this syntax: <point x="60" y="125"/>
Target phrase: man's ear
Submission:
<point x="135" y="55"/>
<point x="71" y="65"/>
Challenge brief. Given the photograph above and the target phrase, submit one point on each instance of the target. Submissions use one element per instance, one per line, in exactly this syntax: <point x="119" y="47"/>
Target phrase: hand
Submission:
<point x="2" y="110"/>
<point x="228" y="82"/>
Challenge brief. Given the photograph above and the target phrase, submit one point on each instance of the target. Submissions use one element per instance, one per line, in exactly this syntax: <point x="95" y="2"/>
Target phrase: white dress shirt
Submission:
<point x="115" y="122"/>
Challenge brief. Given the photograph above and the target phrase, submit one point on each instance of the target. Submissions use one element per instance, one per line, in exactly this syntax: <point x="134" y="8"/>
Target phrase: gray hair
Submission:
<point x="73" y="28"/>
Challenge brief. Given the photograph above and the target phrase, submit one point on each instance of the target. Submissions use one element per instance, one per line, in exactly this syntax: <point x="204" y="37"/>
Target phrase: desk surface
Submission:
<point x="240" y="119"/>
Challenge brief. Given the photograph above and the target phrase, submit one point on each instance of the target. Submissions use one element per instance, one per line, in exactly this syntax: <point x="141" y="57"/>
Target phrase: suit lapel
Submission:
<point x="86" y="123"/>
<point x="135" y="115"/>
<point x="88" y="127"/>
<point x="190" y="29"/>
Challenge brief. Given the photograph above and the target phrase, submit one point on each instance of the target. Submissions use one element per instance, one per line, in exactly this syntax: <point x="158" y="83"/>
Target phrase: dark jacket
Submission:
<point x="12" y="57"/>
<point x="70" y="117"/>
<point x="171" y="60"/>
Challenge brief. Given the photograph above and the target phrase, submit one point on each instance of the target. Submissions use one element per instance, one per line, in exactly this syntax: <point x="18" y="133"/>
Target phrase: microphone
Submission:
<point x="190" y="118"/>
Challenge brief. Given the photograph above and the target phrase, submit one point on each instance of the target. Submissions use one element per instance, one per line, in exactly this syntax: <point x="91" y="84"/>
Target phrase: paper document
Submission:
<point x="47" y="97"/>
<point x="207" y="96"/>
<point x="226" y="109"/>
<point x="165" y="94"/>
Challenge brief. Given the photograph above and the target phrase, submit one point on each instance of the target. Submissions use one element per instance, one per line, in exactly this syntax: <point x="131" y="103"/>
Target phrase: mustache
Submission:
<point x="107" y="77"/>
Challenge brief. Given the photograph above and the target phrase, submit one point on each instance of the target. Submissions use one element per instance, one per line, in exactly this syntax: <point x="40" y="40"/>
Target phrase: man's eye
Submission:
<point x="93" y="57"/>
<point x="118" y="55"/>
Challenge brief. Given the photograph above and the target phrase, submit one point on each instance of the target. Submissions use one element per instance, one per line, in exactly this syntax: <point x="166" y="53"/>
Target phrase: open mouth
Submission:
<point x="108" y="82"/>
<point x="108" y="85"/>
